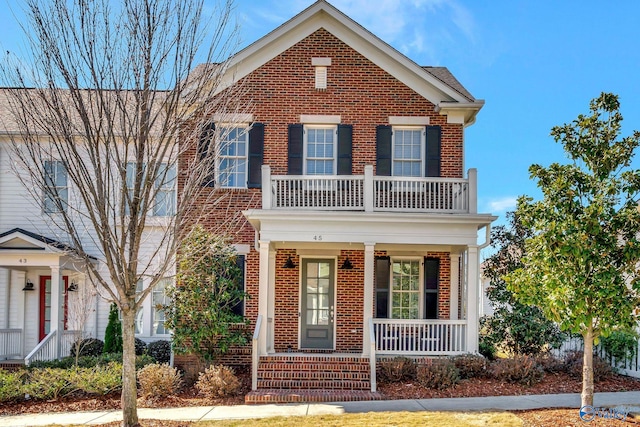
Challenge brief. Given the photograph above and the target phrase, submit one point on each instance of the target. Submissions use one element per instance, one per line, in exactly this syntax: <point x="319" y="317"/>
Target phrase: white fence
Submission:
<point x="10" y="343"/>
<point x="630" y="367"/>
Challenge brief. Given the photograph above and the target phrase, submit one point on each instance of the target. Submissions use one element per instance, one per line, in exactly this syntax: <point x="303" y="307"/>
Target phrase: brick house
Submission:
<point x="360" y="228"/>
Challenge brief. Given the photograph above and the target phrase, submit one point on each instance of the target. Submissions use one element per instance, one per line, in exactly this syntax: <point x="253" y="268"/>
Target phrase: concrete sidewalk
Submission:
<point x="623" y="400"/>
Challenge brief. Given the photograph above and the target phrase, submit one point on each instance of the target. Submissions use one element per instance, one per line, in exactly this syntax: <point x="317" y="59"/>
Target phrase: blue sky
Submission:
<point x="536" y="64"/>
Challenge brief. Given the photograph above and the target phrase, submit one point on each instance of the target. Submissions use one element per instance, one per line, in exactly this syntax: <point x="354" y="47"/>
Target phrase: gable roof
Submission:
<point x="436" y="84"/>
<point x="21" y="239"/>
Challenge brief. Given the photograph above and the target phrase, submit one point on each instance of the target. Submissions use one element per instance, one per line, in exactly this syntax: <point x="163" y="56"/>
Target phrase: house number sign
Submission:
<point x="22" y="260"/>
<point x="317" y="237"/>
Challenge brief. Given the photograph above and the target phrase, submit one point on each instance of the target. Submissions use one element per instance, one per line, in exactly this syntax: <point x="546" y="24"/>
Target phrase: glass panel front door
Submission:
<point x="317" y="304"/>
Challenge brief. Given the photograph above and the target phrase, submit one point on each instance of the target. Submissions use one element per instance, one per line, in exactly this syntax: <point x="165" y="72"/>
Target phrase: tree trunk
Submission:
<point x="129" y="389"/>
<point x="587" y="368"/>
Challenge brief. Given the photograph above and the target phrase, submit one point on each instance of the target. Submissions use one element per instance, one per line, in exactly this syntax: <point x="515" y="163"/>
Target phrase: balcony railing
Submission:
<point x="419" y="337"/>
<point x="369" y="193"/>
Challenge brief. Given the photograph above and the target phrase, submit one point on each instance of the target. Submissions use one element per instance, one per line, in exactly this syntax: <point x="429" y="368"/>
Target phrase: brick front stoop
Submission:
<point x="312" y="378"/>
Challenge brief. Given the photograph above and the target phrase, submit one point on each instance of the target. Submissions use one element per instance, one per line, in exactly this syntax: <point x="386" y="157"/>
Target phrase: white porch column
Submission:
<point x="455" y="286"/>
<point x="368" y="188"/>
<point x="263" y="294"/>
<point x="367" y="312"/>
<point x="271" y="309"/>
<point x="473" y="283"/>
<point x="57" y="310"/>
<point x="5" y="287"/>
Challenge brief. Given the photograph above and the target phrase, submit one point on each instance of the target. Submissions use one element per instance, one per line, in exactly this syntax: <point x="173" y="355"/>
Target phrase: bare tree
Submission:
<point x="116" y="100"/>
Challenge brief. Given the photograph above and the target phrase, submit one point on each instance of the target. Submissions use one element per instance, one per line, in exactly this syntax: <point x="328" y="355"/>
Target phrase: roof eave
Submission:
<point x="460" y="112"/>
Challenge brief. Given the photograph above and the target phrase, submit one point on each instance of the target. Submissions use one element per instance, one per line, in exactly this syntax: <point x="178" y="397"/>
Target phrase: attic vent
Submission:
<point x="321" y="78"/>
<point x="321" y="65"/>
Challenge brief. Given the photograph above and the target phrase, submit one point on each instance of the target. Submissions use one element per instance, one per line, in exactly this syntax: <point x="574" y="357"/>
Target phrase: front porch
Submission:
<point x="44" y="305"/>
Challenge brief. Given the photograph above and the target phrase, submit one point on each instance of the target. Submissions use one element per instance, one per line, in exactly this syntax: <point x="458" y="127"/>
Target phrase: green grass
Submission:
<point x="381" y="419"/>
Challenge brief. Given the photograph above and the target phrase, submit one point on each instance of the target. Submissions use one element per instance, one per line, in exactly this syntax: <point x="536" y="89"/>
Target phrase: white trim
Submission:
<point x="320" y="119"/>
<point x="321" y="62"/>
<point x="242" y="249"/>
<point x="305" y="140"/>
<point x="321" y="253"/>
<point x="408" y="121"/>
<point x="233" y="119"/>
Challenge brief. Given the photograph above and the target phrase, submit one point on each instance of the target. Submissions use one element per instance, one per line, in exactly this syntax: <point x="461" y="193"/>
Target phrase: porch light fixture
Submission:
<point x="289" y="263"/>
<point x="72" y="287"/>
<point x="28" y="286"/>
<point x="346" y="265"/>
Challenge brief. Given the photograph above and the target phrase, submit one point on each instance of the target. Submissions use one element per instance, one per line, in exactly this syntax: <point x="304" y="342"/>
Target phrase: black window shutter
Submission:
<point x="345" y="149"/>
<point x="294" y="164"/>
<point x="383" y="272"/>
<point x="431" y="276"/>
<point x="383" y="150"/>
<point x="432" y="163"/>
<point x="256" y="154"/>
<point x="238" y="309"/>
<point x="204" y="151"/>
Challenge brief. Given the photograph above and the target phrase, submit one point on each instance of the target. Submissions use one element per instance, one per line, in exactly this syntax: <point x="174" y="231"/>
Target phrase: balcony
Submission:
<point x="370" y="193"/>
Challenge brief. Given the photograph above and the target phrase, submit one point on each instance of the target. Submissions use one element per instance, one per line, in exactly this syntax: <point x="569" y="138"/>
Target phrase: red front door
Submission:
<point x="45" y="305"/>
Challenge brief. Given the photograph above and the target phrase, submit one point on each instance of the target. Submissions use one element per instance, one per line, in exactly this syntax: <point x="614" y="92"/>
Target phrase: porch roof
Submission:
<point x="381" y="228"/>
<point x="20" y="240"/>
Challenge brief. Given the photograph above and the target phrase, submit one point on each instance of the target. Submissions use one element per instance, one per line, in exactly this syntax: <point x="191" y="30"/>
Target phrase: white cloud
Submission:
<point x="502" y="205"/>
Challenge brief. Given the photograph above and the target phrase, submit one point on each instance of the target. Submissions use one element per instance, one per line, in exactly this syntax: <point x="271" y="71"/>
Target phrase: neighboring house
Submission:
<point x="361" y="231"/>
<point x="46" y="300"/>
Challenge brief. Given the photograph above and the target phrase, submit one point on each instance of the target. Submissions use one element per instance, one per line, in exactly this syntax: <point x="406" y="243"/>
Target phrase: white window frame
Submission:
<point x="306" y="158"/>
<point x="139" y="321"/>
<point x="423" y="137"/>
<point x="49" y="204"/>
<point x="159" y="290"/>
<point x="420" y="284"/>
<point x="224" y="131"/>
<point x="159" y="188"/>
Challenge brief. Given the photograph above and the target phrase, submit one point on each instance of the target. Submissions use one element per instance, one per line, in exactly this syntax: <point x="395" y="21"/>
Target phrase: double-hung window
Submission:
<point x="56" y="193"/>
<point x="320" y="150"/>
<point x="159" y="299"/>
<point x="165" y="188"/>
<point x="165" y="181"/>
<point x="408" y="151"/>
<point x="232" y="166"/>
<point x="405" y="289"/>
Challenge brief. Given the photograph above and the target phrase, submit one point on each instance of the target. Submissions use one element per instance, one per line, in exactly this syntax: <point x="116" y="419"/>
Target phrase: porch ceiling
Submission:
<point x="367" y="227"/>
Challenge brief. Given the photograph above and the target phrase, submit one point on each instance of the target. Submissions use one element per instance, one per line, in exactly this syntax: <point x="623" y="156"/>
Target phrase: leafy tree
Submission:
<point x="517" y="327"/>
<point x="113" y="333"/>
<point x="116" y="98"/>
<point x="580" y="263"/>
<point x="201" y="313"/>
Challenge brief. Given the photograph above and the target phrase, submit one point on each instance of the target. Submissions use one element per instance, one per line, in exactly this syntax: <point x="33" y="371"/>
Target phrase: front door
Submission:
<point x="45" y="305"/>
<point x="317" y="309"/>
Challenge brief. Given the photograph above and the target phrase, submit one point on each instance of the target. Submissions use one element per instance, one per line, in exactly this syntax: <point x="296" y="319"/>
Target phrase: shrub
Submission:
<point x="486" y="348"/>
<point x="90" y="361"/>
<point x="218" y="381"/>
<point x="98" y="380"/>
<point x="113" y="333"/>
<point x="48" y="383"/>
<point x="573" y="366"/>
<point x="520" y="369"/>
<point x="87" y="347"/>
<point x="549" y="363"/>
<point x="620" y="345"/>
<point x="160" y="351"/>
<point x="11" y="385"/>
<point x="470" y="366"/>
<point x="396" y="369"/>
<point x="159" y="380"/>
<point x="439" y="374"/>
<point x="141" y="347"/>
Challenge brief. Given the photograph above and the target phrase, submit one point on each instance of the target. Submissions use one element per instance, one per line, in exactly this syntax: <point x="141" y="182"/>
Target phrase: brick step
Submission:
<point x="302" y="396"/>
<point x="314" y="384"/>
<point x="313" y="359"/>
<point x="315" y="367"/>
<point x="11" y="365"/>
<point x="312" y="375"/>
